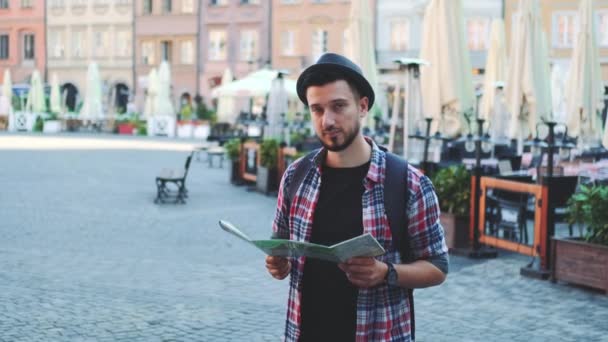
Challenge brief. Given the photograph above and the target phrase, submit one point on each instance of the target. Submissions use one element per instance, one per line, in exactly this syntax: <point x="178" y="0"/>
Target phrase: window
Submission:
<point x="289" y="2"/>
<point x="217" y="2"/>
<point x="26" y="4"/>
<point x="167" y="6"/>
<point x="28" y="46"/>
<point x="147" y="6"/>
<point x="81" y="3"/>
<point x="57" y="3"/>
<point x="102" y="2"/>
<point x="101" y="43"/>
<point x="187" y="6"/>
<point x="123" y="44"/>
<point x="122" y="2"/>
<point x="217" y="45"/>
<point x="565" y="29"/>
<point x="4" y="52"/>
<point x="165" y="50"/>
<point x="56" y="43"/>
<point x="249" y="45"/>
<point x="187" y="52"/>
<point x="478" y="31"/>
<point x="602" y="28"/>
<point x="400" y="33"/>
<point x="78" y="43"/>
<point x="147" y="53"/>
<point x="249" y="2"/>
<point x="288" y="43"/>
<point x="319" y="43"/>
<point x="3" y="3"/>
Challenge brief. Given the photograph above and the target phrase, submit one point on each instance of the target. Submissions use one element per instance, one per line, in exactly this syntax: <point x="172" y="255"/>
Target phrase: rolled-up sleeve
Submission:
<point x="427" y="238"/>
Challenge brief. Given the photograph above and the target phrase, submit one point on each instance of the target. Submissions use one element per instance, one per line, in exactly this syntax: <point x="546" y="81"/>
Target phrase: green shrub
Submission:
<point x="589" y="207"/>
<point x="453" y="188"/>
<point x="233" y="147"/>
<point x="269" y="150"/>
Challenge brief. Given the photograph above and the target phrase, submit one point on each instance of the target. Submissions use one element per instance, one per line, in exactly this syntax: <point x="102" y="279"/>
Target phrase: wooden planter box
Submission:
<point x="579" y="262"/>
<point x="456" y="230"/>
<point x="235" y="172"/>
<point x="266" y="180"/>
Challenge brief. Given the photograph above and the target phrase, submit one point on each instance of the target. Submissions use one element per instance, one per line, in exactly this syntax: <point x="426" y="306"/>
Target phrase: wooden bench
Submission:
<point x="176" y="177"/>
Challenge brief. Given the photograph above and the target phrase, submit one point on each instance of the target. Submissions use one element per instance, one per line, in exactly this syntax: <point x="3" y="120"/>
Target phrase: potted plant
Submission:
<point x="266" y="180"/>
<point x="233" y="149"/>
<point x="205" y="119"/>
<point x="51" y="123"/>
<point x="453" y="189"/>
<point x="184" y="125"/>
<point x="584" y="260"/>
<point x="126" y="124"/>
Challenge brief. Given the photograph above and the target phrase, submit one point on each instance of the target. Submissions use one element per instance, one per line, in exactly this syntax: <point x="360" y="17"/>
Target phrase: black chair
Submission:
<point x="176" y="177"/>
<point x="562" y="188"/>
<point x="499" y="202"/>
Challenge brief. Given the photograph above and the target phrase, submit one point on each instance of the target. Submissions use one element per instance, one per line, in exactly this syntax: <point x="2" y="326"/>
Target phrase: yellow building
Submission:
<point x="303" y="30"/>
<point x="560" y="20"/>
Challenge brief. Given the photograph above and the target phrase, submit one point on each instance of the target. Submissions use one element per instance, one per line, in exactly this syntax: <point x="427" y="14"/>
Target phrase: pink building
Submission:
<point x="167" y="30"/>
<point x="22" y="38"/>
<point x="235" y="34"/>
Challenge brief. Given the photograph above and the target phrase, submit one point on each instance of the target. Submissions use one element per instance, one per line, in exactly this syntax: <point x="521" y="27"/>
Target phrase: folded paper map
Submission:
<point x="361" y="246"/>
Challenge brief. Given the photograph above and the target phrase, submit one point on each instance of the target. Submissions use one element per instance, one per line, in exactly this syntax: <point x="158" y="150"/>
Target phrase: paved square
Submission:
<point x="85" y="255"/>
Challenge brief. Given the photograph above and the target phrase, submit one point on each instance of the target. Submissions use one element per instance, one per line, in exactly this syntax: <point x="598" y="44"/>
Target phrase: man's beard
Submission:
<point x="348" y="140"/>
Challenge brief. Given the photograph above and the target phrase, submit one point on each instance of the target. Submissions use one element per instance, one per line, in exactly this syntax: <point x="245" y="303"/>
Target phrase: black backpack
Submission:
<point x="395" y="203"/>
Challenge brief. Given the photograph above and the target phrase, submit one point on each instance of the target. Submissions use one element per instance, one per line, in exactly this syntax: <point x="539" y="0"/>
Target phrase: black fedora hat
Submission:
<point x="340" y="64"/>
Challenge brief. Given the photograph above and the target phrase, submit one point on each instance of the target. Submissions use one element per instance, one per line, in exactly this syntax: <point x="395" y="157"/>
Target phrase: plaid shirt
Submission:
<point x="383" y="312"/>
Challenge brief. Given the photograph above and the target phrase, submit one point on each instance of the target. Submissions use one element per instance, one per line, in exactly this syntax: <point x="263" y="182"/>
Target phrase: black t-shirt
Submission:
<point x="329" y="300"/>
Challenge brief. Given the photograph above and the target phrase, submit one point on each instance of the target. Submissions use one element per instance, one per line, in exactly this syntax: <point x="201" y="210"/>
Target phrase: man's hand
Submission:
<point x="364" y="272"/>
<point x="278" y="267"/>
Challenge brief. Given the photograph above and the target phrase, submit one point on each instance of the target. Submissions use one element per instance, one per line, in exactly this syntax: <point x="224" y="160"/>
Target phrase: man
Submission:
<point x="341" y="196"/>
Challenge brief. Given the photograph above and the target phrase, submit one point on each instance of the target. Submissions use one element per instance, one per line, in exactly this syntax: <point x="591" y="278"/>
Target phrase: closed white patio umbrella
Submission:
<point x="495" y="72"/>
<point x="447" y="86"/>
<point x="6" y="106"/>
<point x="360" y="37"/>
<point x="528" y="75"/>
<point x="558" y="94"/>
<point x="226" y="111"/>
<point x="277" y="106"/>
<point x="35" y="98"/>
<point x="584" y="89"/>
<point x="151" y="92"/>
<point x="55" y="100"/>
<point x="164" y="105"/>
<point x="92" y="108"/>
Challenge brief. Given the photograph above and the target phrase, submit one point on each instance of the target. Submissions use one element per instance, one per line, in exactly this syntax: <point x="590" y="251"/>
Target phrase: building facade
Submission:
<point x="399" y="32"/>
<point x="81" y="32"/>
<point x="22" y="38"/>
<point x="168" y="30"/>
<point x="235" y="34"/>
<point x="302" y="30"/>
<point x="561" y="21"/>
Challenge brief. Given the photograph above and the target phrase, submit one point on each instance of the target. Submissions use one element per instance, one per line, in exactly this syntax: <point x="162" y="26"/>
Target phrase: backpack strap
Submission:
<point x="298" y="176"/>
<point x="396" y="203"/>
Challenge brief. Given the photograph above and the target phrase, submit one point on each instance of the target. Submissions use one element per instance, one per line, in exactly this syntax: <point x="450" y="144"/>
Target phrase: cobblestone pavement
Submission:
<point x="85" y="255"/>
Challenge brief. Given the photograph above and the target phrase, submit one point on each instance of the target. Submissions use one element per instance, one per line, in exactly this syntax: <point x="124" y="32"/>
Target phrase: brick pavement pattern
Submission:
<point x="85" y="255"/>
